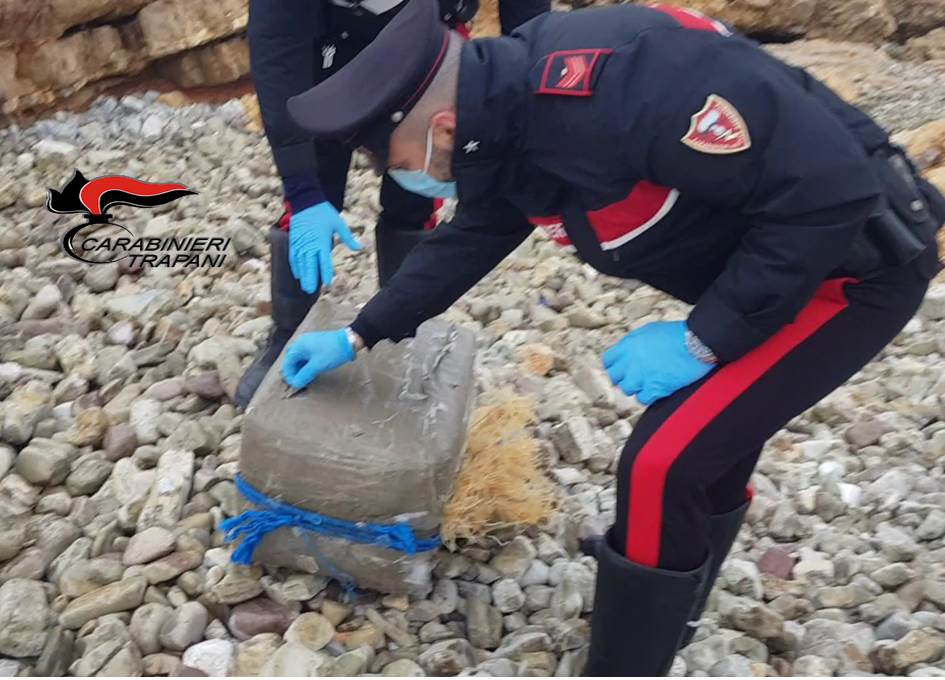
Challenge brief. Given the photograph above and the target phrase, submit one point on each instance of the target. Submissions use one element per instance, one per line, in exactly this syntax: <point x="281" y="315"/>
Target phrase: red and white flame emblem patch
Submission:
<point x="718" y="128"/>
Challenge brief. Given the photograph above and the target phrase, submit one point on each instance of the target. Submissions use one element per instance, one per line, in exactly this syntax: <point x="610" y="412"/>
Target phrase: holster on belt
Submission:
<point x="457" y="11"/>
<point x="908" y="215"/>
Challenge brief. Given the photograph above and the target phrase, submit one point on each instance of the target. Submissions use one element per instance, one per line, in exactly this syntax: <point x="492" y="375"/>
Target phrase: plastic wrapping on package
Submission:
<point x="378" y="440"/>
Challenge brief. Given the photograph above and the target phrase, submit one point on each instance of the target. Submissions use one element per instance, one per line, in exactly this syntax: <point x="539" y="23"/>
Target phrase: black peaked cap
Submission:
<point x="366" y="99"/>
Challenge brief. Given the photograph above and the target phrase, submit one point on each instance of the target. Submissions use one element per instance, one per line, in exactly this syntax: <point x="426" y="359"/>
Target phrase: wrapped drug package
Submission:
<point x="377" y="442"/>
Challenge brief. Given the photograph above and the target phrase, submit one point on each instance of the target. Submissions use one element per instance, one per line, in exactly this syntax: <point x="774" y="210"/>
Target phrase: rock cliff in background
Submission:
<point x="927" y="148"/>
<point x="916" y="17"/>
<point x="47" y="53"/>
<point x="929" y="46"/>
<point x="38" y="20"/>
<point x="873" y="21"/>
<point x="56" y="51"/>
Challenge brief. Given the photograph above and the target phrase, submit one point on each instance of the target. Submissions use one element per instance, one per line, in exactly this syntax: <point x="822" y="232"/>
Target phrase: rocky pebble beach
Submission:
<point x="119" y="444"/>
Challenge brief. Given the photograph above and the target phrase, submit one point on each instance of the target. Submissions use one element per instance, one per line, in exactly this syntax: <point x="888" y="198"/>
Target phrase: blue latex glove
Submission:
<point x="311" y="235"/>
<point x="652" y="362"/>
<point x="313" y="354"/>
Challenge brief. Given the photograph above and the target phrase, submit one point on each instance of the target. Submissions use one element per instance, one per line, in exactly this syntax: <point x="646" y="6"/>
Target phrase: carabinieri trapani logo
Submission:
<point x="100" y="240"/>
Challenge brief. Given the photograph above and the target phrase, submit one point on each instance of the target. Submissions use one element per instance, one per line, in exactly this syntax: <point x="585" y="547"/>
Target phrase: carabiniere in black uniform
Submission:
<point x="659" y="146"/>
<point x="295" y="44"/>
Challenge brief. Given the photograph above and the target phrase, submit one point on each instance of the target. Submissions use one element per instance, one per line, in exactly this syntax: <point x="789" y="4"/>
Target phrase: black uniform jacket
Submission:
<point x="660" y="147"/>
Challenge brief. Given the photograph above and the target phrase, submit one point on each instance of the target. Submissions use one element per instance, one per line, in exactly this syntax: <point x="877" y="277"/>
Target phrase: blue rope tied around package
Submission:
<point x="250" y="527"/>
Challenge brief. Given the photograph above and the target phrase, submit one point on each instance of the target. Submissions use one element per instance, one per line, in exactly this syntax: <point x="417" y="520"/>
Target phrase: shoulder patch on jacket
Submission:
<point x="718" y="128"/>
<point x="571" y="72"/>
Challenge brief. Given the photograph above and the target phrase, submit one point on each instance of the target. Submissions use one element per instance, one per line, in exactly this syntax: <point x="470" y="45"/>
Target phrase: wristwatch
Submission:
<point x="352" y="337"/>
<point x="698" y="349"/>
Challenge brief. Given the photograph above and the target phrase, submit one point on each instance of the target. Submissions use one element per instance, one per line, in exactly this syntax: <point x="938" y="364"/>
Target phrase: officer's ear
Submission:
<point x="444" y="130"/>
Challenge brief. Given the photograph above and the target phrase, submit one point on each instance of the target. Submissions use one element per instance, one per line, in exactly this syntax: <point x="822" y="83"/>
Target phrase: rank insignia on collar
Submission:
<point x="718" y="128"/>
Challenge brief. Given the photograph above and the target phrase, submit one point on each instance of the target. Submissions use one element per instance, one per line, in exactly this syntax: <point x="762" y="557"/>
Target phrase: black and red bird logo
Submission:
<point x="94" y="197"/>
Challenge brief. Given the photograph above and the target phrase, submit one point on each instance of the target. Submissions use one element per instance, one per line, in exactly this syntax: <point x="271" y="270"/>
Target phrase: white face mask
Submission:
<point x="419" y="182"/>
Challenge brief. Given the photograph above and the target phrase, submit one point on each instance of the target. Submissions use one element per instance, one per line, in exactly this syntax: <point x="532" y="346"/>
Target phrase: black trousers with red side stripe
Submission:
<point x="691" y="455"/>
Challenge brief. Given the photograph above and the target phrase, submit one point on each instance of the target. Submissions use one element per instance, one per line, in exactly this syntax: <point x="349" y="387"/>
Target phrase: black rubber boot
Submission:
<point x="723" y="529"/>
<point x="290" y="304"/>
<point x="639" y="615"/>
<point x="590" y="545"/>
<point x="393" y="246"/>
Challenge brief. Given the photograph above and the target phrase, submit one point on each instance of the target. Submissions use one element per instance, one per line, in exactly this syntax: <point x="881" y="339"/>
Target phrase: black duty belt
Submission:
<point x="903" y="226"/>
